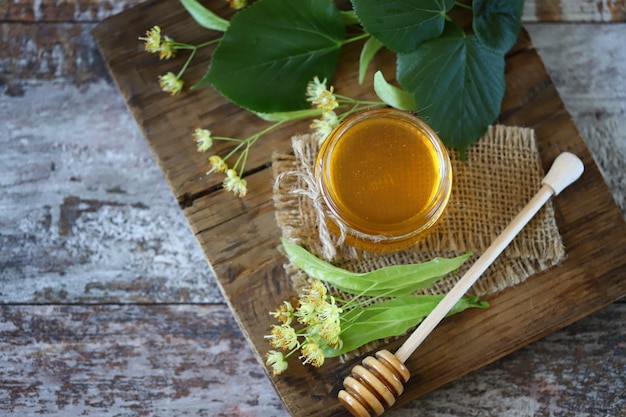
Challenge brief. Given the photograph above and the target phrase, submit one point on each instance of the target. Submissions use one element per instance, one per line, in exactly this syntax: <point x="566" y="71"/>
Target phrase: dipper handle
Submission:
<point x="565" y="169"/>
<point x="366" y="390"/>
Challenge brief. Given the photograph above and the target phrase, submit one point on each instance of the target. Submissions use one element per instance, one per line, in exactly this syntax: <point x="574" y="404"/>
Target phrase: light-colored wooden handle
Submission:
<point x="566" y="169"/>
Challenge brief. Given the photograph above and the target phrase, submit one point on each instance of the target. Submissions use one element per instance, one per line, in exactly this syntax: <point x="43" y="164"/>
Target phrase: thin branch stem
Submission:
<point x="184" y="68"/>
<point x="463" y="5"/>
<point x="355" y="38"/>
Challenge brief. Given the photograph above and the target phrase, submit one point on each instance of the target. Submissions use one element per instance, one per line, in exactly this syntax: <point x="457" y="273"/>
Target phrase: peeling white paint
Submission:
<point x="83" y="144"/>
<point x="37" y="6"/>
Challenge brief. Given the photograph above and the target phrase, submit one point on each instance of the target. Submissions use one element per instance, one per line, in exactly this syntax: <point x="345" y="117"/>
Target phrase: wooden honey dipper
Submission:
<point x="374" y="386"/>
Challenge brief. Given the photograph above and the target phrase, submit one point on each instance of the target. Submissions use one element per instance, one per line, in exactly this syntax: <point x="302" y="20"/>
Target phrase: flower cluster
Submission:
<point x="154" y="43"/>
<point x="319" y="317"/>
<point x="233" y="181"/>
<point x="235" y="184"/>
<point x="321" y="96"/>
<point x="323" y="99"/>
<point x="166" y="47"/>
<point x="171" y="83"/>
<point x="326" y="101"/>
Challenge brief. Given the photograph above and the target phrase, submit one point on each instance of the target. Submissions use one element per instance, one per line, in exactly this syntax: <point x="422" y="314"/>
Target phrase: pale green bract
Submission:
<point x="392" y="280"/>
<point x="392" y="95"/>
<point x="204" y="17"/>
<point x="288" y="115"/>
<point x="369" y="50"/>
<point x="391" y="318"/>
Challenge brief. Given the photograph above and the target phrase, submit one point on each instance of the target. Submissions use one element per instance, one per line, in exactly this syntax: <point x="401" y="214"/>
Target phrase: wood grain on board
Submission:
<point x="239" y="236"/>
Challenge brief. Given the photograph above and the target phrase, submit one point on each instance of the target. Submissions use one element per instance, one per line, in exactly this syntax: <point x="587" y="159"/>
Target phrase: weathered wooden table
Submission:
<point x="109" y="307"/>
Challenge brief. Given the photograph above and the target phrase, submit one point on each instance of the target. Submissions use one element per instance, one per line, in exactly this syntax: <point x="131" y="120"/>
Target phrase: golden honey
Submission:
<point x="385" y="177"/>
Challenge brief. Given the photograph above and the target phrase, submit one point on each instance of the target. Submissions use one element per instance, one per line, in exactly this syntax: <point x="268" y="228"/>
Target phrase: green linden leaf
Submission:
<point x="401" y="25"/>
<point x="204" y="17"/>
<point x="457" y="84"/>
<point x="497" y="23"/>
<point x="272" y="49"/>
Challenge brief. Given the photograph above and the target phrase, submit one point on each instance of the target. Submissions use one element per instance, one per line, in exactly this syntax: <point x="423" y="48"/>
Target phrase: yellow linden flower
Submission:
<point x="284" y="336"/>
<point x="312" y="353"/>
<point x="330" y="332"/>
<point x="238" y="4"/>
<point x="234" y="183"/>
<point x="323" y="126"/>
<point x="306" y="311"/>
<point x="327" y="101"/>
<point x="170" y="83"/>
<point x="320" y="96"/>
<point x="167" y="49"/>
<point x="329" y="311"/>
<point x="217" y="164"/>
<point x="203" y="139"/>
<point x="274" y="339"/>
<point x="277" y="361"/>
<point x="316" y="292"/>
<point x="331" y="337"/>
<point x="152" y="39"/>
<point x="315" y="88"/>
<point x="284" y="313"/>
<point x="330" y="327"/>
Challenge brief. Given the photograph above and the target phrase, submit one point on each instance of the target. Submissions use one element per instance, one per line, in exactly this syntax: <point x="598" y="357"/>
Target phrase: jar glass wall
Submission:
<point x="385" y="177"/>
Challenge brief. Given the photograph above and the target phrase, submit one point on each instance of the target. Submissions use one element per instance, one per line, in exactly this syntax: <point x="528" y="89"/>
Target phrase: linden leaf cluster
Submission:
<point x="448" y="73"/>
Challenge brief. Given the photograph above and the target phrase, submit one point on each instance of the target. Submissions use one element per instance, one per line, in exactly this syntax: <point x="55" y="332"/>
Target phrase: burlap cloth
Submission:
<point x="501" y="174"/>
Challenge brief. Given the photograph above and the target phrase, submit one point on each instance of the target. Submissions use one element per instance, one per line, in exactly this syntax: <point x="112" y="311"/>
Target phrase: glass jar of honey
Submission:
<point x="385" y="177"/>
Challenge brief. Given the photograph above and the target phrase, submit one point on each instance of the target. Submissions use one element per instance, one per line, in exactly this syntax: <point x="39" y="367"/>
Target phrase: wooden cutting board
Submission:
<point x="240" y="236"/>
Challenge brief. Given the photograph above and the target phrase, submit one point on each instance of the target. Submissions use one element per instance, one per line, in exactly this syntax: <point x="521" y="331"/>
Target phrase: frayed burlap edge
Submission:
<point x="501" y="174"/>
